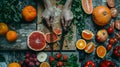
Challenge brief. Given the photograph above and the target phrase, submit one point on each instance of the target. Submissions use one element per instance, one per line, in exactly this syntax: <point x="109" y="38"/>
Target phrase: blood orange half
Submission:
<point x="36" y="41"/>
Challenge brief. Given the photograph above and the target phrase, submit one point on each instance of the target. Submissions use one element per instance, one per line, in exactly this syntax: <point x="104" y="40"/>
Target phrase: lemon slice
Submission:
<point x="42" y="56"/>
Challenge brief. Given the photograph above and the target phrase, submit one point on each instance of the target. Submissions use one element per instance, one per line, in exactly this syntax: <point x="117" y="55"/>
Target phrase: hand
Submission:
<point x="66" y="18"/>
<point x="48" y="15"/>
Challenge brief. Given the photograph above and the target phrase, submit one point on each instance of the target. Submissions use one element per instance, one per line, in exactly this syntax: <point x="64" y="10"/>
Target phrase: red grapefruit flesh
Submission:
<point x="57" y="31"/>
<point x="87" y="6"/>
<point x="36" y="41"/>
<point x="51" y="37"/>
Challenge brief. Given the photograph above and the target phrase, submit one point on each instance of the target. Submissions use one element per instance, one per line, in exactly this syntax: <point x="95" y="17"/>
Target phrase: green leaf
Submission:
<point x="77" y="9"/>
<point x="75" y="21"/>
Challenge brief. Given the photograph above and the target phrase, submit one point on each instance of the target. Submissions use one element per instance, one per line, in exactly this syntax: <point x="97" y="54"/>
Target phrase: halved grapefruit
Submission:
<point x="51" y="37"/>
<point x="36" y="41"/>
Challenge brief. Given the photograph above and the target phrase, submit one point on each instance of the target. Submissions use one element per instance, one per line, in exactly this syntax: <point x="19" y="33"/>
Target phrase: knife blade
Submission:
<point x="51" y="30"/>
<point x="64" y="32"/>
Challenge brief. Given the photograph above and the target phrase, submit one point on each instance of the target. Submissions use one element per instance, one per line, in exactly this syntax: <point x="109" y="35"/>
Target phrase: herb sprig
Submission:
<point x="10" y="11"/>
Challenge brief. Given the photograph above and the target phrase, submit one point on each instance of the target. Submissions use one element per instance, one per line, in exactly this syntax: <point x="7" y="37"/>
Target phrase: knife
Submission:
<point x="51" y="30"/>
<point x="64" y="32"/>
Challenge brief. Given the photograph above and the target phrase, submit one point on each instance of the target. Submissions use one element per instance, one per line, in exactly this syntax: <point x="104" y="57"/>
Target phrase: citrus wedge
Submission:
<point x="89" y="47"/>
<point x="87" y="34"/>
<point x="44" y="64"/>
<point x="101" y="51"/>
<point x="81" y="44"/>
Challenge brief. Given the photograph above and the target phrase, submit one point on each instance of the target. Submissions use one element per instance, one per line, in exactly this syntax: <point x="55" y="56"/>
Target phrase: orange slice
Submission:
<point x="101" y="51"/>
<point x="44" y="64"/>
<point x="14" y="64"/>
<point x="89" y="47"/>
<point x="81" y="44"/>
<point x="87" y="34"/>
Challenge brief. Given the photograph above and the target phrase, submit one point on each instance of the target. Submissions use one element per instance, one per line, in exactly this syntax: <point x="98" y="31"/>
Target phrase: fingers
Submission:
<point x="51" y="19"/>
<point x="63" y="22"/>
<point x="48" y="22"/>
<point x="69" y="22"/>
<point x="66" y="24"/>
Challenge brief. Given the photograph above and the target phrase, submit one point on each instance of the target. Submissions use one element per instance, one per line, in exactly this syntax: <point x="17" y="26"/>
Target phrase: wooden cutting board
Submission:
<point x="69" y="44"/>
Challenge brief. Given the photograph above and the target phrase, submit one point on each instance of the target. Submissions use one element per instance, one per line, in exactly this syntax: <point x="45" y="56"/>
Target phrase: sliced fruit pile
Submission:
<point x="37" y="40"/>
<point x="60" y="60"/>
<point x="101" y="16"/>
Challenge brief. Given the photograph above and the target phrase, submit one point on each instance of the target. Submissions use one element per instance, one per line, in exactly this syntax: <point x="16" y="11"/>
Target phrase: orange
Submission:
<point x="3" y="28"/>
<point x="81" y="44"/>
<point x="11" y="36"/>
<point x="29" y="13"/>
<point x="14" y="64"/>
<point x="44" y="64"/>
<point x="101" y="15"/>
<point x="89" y="47"/>
<point x="101" y="51"/>
<point x="87" y="34"/>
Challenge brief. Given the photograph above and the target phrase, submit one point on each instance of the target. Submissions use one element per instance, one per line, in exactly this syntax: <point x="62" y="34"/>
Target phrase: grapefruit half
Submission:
<point x="36" y="41"/>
